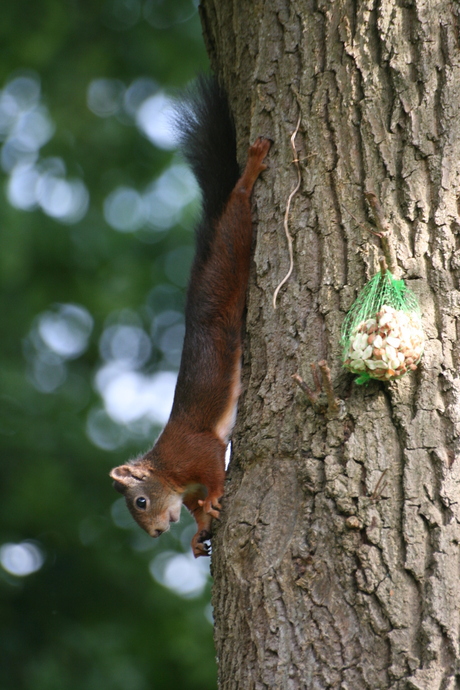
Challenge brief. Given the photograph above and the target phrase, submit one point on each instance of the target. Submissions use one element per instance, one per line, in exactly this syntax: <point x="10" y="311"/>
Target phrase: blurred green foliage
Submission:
<point x="91" y="614"/>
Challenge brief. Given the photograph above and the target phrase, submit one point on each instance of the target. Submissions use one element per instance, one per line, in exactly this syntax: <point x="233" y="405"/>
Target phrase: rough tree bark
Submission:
<point x="336" y="562"/>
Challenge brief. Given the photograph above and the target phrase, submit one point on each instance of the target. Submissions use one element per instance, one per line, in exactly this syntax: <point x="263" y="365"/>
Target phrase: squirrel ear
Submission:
<point x="127" y="475"/>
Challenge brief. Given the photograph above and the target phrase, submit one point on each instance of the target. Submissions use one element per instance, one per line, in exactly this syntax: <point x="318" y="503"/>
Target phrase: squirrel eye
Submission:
<point x="141" y="503"/>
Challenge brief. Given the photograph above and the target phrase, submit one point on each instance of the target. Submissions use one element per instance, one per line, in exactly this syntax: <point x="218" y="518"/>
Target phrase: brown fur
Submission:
<point x="186" y="465"/>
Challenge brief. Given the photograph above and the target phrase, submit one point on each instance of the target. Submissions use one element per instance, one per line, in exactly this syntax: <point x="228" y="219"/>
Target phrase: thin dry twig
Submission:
<point x="379" y="487"/>
<point x="286" y="215"/>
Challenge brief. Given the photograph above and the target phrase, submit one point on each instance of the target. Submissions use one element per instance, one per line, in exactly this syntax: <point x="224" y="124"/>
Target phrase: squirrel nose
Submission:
<point x="156" y="533"/>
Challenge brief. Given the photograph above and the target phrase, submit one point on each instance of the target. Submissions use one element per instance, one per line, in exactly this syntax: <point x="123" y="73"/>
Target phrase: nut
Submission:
<point x="386" y="345"/>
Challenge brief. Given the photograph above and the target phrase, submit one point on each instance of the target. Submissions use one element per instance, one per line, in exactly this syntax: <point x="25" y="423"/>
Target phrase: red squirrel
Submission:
<point x="187" y="463"/>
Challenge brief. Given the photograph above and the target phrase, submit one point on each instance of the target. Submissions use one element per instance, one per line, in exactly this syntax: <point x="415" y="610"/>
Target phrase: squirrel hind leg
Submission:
<point x="255" y="164"/>
<point x="203" y="534"/>
<point x="206" y="509"/>
<point x="203" y="509"/>
<point x="199" y="545"/>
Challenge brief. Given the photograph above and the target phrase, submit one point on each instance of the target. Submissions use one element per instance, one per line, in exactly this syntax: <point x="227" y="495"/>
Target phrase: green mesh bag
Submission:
<point x="382" y="335"/>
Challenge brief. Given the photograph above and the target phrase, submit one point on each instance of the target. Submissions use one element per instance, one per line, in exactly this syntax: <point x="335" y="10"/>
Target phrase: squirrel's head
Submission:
<point x="153" y="504"/>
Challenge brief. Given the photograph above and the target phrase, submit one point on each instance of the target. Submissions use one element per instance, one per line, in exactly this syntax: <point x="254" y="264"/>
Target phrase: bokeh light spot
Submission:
<point x="137" y="93"/>
<point x="130" y="395"/>
<point x="124" y="209"/>
<point x="167" y="197"/>
<point x="21" y="559"/>
<point x="154" y="118"/>
<point x="65" y="200"/>
<point x="103" y="431"/>
<point x="182" y="573"/>
<point x="48" y="372"/>
<point x="105" y="96"/>
<point x="126" y="344"/>
<point x="66" y="329"/>
<point x="22" y="187"/>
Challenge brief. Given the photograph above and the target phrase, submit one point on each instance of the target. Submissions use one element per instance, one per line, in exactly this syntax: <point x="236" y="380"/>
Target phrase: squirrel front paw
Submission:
<point x="211" y="506"/>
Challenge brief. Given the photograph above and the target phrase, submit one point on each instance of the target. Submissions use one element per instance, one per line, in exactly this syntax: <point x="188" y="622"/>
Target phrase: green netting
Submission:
<point x="383" y="298"/>
<point x="382" y="289"/>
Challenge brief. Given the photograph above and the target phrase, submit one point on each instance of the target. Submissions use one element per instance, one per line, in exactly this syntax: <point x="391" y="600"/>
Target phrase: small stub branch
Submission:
<point x="322" y="398"/>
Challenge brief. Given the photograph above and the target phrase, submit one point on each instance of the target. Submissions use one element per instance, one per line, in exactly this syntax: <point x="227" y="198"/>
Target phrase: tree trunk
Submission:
<point x="336" y="562"/>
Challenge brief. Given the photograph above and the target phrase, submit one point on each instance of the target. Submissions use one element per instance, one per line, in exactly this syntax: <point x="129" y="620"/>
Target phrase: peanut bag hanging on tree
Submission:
<point x="382" y="335"/>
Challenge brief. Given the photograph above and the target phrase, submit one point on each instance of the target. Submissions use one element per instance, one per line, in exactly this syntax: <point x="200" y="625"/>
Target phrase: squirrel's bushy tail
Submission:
<point x="207" y="139"/>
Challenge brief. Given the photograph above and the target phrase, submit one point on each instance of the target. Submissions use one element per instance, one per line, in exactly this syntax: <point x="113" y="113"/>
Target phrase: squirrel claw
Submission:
<point x="210" y="508"/>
